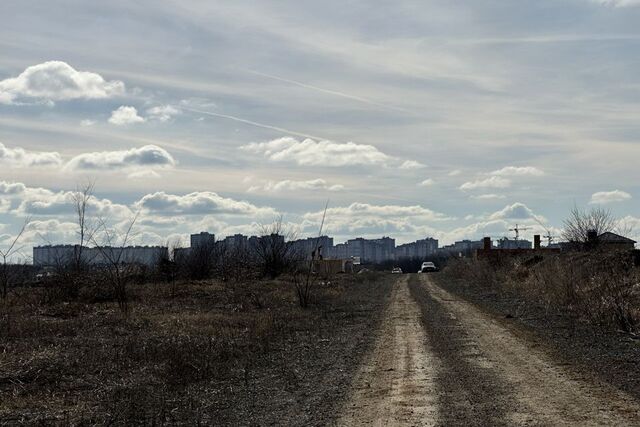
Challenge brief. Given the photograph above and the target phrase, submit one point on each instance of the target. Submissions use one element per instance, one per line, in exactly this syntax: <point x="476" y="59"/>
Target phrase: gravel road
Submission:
<point x="439" y="360"/>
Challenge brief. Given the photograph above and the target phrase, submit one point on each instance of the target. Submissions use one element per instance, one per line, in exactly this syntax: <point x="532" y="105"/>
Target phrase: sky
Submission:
<point x="411" y="118"/>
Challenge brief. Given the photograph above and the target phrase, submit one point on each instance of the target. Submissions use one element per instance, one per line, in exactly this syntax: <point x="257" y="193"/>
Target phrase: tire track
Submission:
<point x="535" y="389"/>
<point x="396" y="384"/>
<point x="469" y="389"/>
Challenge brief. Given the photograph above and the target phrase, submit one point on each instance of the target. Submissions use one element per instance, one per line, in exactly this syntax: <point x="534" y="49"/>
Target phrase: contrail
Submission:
<point x="332" y="92"/>
<point x="252" y="123"/>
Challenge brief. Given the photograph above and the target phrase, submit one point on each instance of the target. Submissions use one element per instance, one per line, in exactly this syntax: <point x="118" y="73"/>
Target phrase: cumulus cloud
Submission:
<point x="427" y="183"/>
<point x="318" y="153"/>
<point x="515" y="211"/>
<point x="498" y="224"/>
<point x="491" y="182"/>
<point x="148" y="156"/>
<point x="604" y="197"/>
<point x="11" y="188"/>
<point x="57" y="81"/>
<point x="125" y="115"/>
<point x="518" y="171"/>
<point x="412" y="164"/>
<point x="21" y="158"/>
<point x="44" y="202"/>
<point x="288" y="185"/>
<point x="198" y="203"/>
<point x="367" y="219"/>
<point x="163" y="113"/>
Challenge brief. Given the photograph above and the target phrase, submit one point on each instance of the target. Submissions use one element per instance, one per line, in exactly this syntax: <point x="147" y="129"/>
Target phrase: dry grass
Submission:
<point x="600" y="288"/>
<point x="184" y="357"/>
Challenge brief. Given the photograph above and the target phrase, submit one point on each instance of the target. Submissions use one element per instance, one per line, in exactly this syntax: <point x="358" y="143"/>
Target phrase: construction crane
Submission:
<point x="518" y="230"/>
<point x="547" y="236"/>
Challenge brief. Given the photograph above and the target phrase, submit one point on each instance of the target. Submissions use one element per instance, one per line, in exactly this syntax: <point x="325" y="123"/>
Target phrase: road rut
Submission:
<point x="439" y="360"/>
<point x="396" y="383"/>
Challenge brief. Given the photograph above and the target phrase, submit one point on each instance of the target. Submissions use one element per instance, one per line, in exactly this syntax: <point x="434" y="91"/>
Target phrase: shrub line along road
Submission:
<point x="439" y="360"/>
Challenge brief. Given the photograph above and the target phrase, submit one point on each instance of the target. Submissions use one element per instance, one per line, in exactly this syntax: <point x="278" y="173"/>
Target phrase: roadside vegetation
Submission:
<point x="191" y="351"/>
<point x="599" y="288"/>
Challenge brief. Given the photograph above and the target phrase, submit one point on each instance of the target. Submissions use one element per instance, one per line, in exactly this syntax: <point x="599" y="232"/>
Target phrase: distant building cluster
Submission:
<point x="323" y="247"/>
<point x="60" y="255"/>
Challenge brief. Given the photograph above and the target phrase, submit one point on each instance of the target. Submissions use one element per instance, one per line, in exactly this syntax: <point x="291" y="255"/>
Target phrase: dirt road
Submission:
<point x="438" y="360"/>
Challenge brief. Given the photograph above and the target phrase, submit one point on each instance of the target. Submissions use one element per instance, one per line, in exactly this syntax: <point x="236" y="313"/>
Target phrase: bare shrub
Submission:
<point x="600" y="288"/>
<point x="235" y="263"/>
<point x="273" y="249"/>
<point x="116" y="268"/>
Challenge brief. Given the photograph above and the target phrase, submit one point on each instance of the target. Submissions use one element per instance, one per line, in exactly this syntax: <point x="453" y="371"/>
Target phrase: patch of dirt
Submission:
<point x="396" y="383"/>
<point x="613" y="357"/>
<point x="540" y="389"/>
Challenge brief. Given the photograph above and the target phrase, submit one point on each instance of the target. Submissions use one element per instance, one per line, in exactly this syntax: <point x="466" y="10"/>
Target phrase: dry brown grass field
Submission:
<point x="200" y="352"/>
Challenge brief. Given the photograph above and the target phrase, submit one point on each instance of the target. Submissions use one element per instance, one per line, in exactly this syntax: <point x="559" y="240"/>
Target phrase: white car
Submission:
<point x="396" y="270"/>
<point x="428" y="266"/>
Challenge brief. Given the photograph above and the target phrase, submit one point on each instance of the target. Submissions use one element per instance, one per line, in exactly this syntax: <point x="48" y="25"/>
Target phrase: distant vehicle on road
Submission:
<point x="428" y="267"/>
<point x="396" y="270"/>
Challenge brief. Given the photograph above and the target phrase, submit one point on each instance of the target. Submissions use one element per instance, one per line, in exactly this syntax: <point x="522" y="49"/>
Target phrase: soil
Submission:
<point x="471" y="369"/>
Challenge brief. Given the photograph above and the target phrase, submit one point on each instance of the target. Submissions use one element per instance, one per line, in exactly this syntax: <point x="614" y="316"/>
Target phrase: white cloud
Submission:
<point x="518" y="171"/>
<point x="57" y="81"/>
<point x="603" y="197"/>
<point x="618" y="3"/>
<point x="87" y="123"/>
<point x="488" y="196"/>
<point x="148" y="156"/>
<point x="366" y="219"/>
<point x="21" y="158"/>
<point x="412" y="164"/>
<point x="144" y="174"/>
<point x="318" y="153"/>
<point x="5" y="206"/>
<point x="44" y="202"/>
<point x="427" y="183"/>
<point x="163" y="113"/>
<point x="125" y="115"/>
<point x="455" y="172"/>
<point x="11" y="188"/>
<point x="515" y="211"/>
<point x="491" y="182"/>
<point x="198" y="203"/>
<point x="288" y="185"/>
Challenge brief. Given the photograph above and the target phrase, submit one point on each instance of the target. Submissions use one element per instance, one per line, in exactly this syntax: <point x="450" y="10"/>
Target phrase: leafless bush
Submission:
<point x="235" y="263"/>
<point x="116" y="268"/>
<point x="273" y="249"/>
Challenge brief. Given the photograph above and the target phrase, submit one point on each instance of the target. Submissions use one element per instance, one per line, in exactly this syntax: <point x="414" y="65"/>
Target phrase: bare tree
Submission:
<point x="273" y="248"/>
<point x="86" y="228"/>
<point x="12" y="249"/>
<point x="581" y="222"/>
<point x="117" y="267"/>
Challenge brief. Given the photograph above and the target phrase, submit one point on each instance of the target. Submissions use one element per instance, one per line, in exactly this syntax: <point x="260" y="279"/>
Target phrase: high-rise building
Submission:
<point x="203" y="239"/>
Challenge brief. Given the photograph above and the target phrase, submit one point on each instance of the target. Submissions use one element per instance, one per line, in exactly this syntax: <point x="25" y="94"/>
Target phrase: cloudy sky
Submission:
<point x="413" y="118"/>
